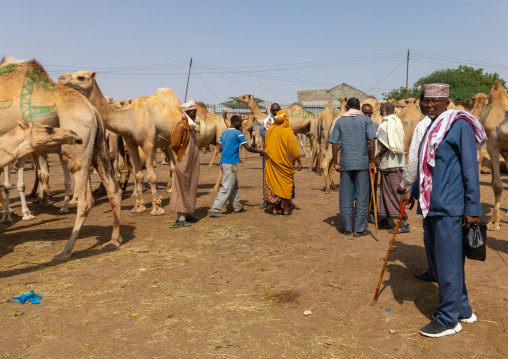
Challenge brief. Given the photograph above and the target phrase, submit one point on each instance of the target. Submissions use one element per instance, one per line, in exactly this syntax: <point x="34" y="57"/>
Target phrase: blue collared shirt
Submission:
<point x="455" y="178"/>
<point x="353" y="133"/>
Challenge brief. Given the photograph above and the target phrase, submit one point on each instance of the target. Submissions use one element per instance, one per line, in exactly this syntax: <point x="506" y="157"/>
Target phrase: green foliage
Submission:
<point x="400" y="93"/>
<point x="235" y="105"/>
<point x="464" y="82"/>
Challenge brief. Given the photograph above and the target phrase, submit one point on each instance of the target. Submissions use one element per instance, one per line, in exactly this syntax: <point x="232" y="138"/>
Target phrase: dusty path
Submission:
<point x="235" y="287"/>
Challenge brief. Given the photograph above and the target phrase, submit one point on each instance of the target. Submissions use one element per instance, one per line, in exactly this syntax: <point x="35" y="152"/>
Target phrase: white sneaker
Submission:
<point x="473" y="318"/>
<point x="436" y="330"/>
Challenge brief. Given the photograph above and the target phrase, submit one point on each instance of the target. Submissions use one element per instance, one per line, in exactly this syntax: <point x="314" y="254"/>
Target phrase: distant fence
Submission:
<point x="314" y="107"/>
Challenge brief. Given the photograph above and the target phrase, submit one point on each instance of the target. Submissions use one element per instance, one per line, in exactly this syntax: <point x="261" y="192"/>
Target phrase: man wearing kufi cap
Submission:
<point x="448" y="192"/>
<point x="185" y="180"/>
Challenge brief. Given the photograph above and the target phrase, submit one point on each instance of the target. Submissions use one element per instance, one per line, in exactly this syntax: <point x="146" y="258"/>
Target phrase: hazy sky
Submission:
<point x="271" y="49"/>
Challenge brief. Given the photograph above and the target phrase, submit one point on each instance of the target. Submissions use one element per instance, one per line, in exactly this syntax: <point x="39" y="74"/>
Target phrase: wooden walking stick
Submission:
<point x="388" y="253"/>
<point x="373" y="198"/>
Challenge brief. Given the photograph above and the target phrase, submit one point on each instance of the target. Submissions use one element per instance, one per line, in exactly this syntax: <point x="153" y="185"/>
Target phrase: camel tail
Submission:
<point x="319" y="131"/>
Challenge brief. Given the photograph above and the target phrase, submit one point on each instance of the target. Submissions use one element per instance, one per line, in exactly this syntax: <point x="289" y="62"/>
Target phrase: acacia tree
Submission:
<point x="236" y="105"/>
<point x="464" y="82"/>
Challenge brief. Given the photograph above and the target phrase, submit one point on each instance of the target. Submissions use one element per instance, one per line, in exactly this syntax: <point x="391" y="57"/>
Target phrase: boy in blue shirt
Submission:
<point x="230" y="141"/>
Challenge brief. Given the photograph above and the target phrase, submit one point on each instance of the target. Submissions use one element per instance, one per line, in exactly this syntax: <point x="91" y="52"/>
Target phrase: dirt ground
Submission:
<point x="237" y="286"/>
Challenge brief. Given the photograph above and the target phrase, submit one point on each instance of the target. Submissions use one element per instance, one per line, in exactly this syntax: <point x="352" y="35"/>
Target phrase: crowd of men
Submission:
<point x="441" y="170"/>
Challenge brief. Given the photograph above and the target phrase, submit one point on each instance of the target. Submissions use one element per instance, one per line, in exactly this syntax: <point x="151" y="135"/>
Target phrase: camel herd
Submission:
<point x="91" y="130"/>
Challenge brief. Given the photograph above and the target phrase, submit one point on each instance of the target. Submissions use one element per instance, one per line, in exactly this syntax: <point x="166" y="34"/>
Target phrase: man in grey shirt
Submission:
<point x="356" y="135"/>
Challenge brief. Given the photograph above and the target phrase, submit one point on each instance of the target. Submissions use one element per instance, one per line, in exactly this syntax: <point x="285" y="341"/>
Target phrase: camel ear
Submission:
<point x="94" y="74"/>
<point x="250" y="96"/>
<point x="24" y="125"/>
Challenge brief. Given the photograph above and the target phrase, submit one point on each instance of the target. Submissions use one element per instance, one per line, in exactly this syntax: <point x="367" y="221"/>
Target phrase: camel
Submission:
<point x="27" y="93"/>
<point x="410" y="116"/>
<point x="300" y="120"/>
<point x="210" y="126"/>
<point x="404" y="102"/>
<point x="478" y="103"/>
<point x="146" y="123"/>
<point x="494" y="119"/>
<point x="326" y="118"/>
<point x="30" y="137"/>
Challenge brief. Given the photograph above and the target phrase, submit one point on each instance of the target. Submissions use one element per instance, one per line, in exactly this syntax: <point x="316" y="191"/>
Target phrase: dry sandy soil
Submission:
<point x="237" y="286"/>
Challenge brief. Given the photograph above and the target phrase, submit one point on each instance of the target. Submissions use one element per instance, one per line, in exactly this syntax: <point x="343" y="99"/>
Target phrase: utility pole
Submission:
<point x="188" y="77"/>
<point x="407" y="71"/>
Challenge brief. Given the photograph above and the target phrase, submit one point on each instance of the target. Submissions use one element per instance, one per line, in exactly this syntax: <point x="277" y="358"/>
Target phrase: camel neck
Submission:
<point x="14" y="146"/>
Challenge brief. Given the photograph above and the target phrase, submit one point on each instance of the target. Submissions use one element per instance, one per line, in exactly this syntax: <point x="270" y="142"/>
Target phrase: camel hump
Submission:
<point x="164" y="91"/>
<point x="497" y="85"/>
<point x="8" y="60"/>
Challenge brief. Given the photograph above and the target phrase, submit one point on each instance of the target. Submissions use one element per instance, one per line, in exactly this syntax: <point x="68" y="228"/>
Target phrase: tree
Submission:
<point x="464" y="82"/>
<point x="236" y="105"/>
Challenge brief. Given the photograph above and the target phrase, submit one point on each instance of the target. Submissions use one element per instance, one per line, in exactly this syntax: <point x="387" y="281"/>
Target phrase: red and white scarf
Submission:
<point x="437" y="131"/>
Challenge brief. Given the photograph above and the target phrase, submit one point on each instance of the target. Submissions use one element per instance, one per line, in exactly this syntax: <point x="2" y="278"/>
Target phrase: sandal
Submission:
<point x="179" y="224"/>
<point x="190" y="218"/>
<point x="361" y="234"/>
<point x="346" y="233"/>
<point x="243" y="209"/>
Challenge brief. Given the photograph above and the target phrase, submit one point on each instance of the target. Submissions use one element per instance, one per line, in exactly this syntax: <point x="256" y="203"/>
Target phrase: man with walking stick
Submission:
<point x="448" y="193"/>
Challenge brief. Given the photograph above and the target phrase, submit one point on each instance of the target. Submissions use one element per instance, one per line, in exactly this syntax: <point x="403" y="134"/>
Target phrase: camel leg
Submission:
<point x="219" y="181"/>
<point x="299" y="140"/>
<point x="151" y="178"/>
<point x="67" y="184"/>
<point x="138" y="176"/>
<point x="114" y="195"/>
<point x="128" y="170"/>
<point x="44" y="179"/>
<point x="85" y="203"/>
<point x="215" y="153"/>
<point x="21" y="189"/>
<point x="497" y="185"/>
<point x="171" y="157"/>
<point x="327" y="179"/>
<point x="312" y="152"/>
<point x="74" y="199"/>
<point x="35" y="161"/>
<point x="6" y="218"/>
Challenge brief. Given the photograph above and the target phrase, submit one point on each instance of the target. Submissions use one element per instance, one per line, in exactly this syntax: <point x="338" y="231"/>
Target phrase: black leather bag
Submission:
<point x="475" y="241"/>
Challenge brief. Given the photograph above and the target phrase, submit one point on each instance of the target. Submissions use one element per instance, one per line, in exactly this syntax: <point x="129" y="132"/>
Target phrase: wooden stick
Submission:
<point x="372" y="176"/>
<point x="388" y="253"/>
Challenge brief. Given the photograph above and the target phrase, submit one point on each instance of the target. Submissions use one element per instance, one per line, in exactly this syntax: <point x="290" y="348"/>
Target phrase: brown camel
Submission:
<point x="146" y="123"/>
<point x="27" y="93"/>
<point x="494" y="119"/>
<point x="30" y="137"/>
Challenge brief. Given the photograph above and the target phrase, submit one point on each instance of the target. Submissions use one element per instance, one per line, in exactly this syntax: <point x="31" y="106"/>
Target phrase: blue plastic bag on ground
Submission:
<point x="23" y="298"/>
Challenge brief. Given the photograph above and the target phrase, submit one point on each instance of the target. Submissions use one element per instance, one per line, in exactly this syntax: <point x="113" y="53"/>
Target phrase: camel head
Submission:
<point x="405" y="102"/>
<point x="83" y="81"/>
<point x="43" y="137"/>
<point x="122" y="103"/>
<point x="246" y="99"/>
<point x="480" y="99"/>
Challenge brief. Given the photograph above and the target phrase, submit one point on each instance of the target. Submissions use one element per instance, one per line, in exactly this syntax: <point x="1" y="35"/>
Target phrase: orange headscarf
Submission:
<point x="281" y="152"/>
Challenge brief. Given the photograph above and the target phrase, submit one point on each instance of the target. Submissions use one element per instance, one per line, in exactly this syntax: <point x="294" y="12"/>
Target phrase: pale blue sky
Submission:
<point x="268" y="48"/>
